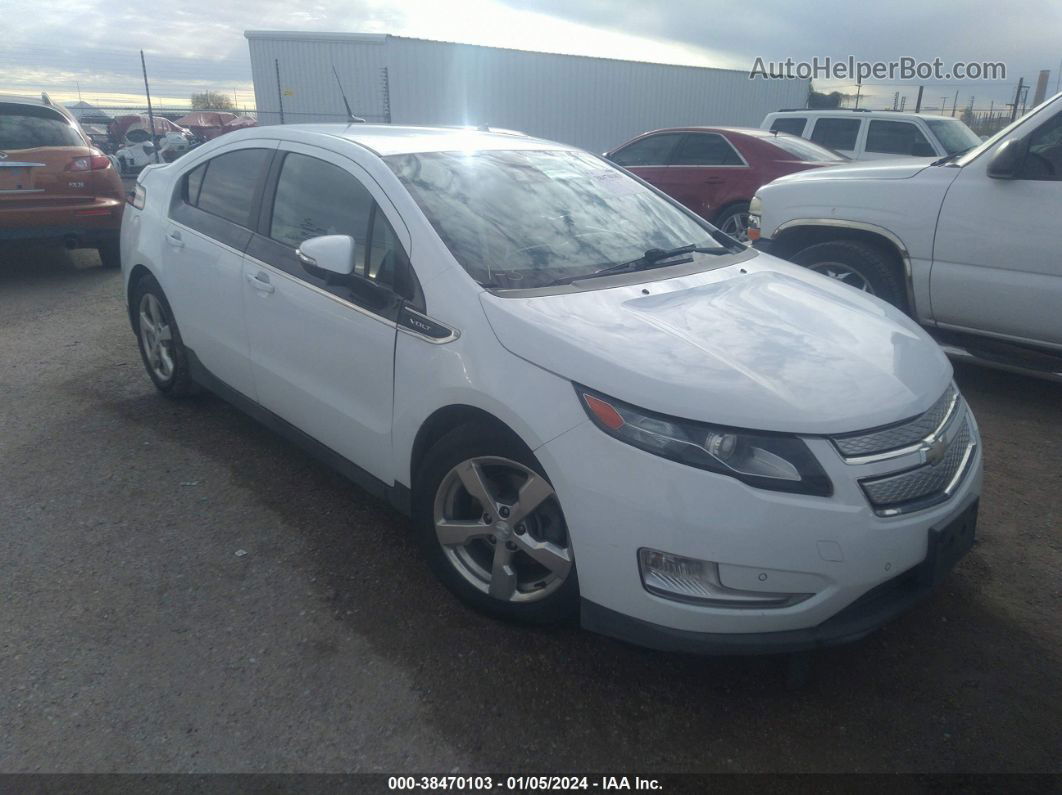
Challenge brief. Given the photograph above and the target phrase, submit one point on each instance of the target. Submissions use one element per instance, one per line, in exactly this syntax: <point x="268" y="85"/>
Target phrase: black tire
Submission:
<point x="865" y="261"/>
<point x="179" y="383"/>
<point x="110" y="254"/>
<point x="462" y="444"/>
<point x="729" y="213"/>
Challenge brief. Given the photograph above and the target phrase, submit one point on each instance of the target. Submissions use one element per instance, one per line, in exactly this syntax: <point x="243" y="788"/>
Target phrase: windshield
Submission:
<point x="805" y="150"/>
<point x="953" y="135"/>
<point x="521" y="219"/>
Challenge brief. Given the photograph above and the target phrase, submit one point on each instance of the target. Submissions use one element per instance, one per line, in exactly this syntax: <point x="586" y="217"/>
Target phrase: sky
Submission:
<point x="92" y="46"/>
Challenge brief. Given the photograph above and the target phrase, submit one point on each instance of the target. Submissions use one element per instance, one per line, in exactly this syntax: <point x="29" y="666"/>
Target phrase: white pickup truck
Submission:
<point x="970" y="245"/>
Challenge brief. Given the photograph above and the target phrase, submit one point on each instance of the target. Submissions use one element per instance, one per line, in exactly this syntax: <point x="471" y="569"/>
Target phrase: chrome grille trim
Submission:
<point x="927" y="485"/>
<point x="868" y="447"/>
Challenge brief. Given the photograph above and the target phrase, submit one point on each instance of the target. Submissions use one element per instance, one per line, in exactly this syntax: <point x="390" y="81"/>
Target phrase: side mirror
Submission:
<point x="1006" y="163"/>
<point x="332" y="253"/>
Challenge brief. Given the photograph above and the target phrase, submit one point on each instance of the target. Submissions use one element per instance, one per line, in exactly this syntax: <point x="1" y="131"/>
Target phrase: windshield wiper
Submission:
<point x="657" y="258"/>
<point x="952" y="156"/>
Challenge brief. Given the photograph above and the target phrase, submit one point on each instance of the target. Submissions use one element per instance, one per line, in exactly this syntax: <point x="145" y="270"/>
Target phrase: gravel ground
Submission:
<point x="182" y="591"/>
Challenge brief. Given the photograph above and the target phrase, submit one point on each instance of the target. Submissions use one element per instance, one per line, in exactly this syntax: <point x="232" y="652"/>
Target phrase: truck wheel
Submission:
<point x="857" y="264"/>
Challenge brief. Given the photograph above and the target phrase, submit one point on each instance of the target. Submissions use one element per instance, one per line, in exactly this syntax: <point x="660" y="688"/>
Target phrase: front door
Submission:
<point x="323" y="345"/>
<point x="997" y="259"/>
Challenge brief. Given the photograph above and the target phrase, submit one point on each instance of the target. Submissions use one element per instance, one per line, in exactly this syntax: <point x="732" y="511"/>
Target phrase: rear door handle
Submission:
<point x="260" y="282"/>
<point x="174" y="239"/>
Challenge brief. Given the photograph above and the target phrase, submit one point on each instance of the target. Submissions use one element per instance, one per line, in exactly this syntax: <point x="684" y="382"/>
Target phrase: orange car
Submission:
<point x="54" y="185"/>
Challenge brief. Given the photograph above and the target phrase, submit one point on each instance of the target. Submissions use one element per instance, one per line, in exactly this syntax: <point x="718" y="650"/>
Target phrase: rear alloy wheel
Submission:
<point x="494" y="530"/>
<point x="735" y="222"/>
<point x="857" y="264"/>
<point x="161" y="348"/>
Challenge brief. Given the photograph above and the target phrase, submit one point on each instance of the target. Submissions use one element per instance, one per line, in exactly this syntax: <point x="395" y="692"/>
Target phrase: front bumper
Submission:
<point x="862" y="569"/>
<point x="869" y="612"/>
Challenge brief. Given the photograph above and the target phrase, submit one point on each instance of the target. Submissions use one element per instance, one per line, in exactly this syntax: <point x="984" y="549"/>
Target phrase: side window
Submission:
<point x="316" y="198"/>
<point x="193" y="181"/>
<point x="230" y="185"/>
<point x="897" y="138"/>
<point x="838" y="134"/>
<point x="654" y="150"/>
<point x="706" y="149"/>
<point x="1044" y="160"/>
<point x="794" y="125"/>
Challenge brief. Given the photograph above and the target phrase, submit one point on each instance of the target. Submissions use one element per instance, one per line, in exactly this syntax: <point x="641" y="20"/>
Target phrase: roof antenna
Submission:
<point x="351" y="118"/>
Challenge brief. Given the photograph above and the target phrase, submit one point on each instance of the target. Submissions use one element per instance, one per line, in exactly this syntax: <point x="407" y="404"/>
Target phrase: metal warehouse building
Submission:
<point x="594" y="103"/>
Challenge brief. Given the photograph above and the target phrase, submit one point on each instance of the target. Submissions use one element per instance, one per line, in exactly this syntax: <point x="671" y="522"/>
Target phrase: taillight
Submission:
<point x="138" y="196"/>
<point x="89" y="163"/>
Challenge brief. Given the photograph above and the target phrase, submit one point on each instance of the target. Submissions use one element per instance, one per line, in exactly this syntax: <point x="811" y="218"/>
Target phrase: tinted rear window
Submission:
<point x="29" y="127"/>
<point x="229" y="186"/>
<point x="836" y="133"/>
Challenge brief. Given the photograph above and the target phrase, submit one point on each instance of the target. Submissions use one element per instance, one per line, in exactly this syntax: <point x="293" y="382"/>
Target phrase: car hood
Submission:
<point x="902" y="168"/>
<point x="760" y="344"/>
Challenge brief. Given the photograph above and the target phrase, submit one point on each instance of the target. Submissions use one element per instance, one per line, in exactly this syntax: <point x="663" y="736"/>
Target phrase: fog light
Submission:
<point x="697" y="582"/>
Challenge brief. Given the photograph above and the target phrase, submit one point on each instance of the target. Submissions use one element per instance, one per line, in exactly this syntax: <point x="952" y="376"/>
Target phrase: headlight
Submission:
<point x="765" y="460"/>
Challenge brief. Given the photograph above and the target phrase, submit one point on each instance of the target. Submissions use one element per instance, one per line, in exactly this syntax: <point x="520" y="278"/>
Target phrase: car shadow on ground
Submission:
<point x="24" y="265"/>
<point x="943" y="688"/>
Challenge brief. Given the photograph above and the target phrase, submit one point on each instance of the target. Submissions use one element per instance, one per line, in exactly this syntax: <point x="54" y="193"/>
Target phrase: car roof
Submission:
<point x="856" y="113"/>
<point x="390" y="139"/>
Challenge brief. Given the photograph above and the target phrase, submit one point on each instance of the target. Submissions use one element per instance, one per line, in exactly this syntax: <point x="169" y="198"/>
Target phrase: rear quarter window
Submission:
<point x="31" y="127"/>
<point x="794" y="125"/>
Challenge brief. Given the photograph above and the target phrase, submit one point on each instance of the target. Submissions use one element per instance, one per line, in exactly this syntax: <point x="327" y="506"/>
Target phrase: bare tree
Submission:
<point x="212" y="100"/>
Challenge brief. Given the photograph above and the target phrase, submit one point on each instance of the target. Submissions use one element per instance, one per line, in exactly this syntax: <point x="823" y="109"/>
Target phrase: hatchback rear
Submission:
<point x="55" y="187"/>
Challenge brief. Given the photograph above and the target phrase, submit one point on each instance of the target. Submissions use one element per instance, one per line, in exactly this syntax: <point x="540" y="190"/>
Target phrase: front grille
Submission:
<point x="926" y="485"/>
<point x="904" y="434"/>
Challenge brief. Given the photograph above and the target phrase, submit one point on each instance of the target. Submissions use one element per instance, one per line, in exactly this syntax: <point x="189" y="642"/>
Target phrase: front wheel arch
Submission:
<point x="793" y="240"/>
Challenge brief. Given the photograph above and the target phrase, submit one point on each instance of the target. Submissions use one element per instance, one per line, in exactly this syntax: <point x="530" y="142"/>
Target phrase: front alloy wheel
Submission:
<point x="501" y="528"/>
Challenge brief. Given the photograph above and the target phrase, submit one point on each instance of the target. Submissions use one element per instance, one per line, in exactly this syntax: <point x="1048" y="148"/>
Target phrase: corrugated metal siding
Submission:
<point x="594" y="103"/>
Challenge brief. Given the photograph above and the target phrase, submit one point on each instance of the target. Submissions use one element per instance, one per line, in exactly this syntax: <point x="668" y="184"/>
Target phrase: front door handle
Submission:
<point x="174" y="239"/>
<point x="260" y="282"/>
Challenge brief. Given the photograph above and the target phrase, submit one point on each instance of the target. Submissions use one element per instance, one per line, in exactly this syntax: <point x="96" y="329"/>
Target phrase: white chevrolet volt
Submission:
<point x="590" y="401"/>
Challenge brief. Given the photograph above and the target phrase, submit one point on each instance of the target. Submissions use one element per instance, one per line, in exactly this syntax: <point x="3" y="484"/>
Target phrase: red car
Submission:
<point x="716" y="170"/>
<point x="55" y="186"/>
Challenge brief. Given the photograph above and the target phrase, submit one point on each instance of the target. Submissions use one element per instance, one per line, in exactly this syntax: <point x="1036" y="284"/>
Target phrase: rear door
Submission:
<point x="212" y="210"/>
<point x="322" y="344"/>
<point x="37" y="147"/>
<point x="648" y="157"/>
<point x="703" y="173"/>
<point x="839" y="133"/>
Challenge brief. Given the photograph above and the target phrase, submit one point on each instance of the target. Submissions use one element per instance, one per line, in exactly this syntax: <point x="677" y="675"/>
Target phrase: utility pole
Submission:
<point x="943" y="105"/>
<point x="78" y="84"/>
<point x="280" y="91"/>
<point x="1017" y="100"/>
<point x="918" y="102"/>
<point x="151" y="115"/>
<point x="954" y="102"/>
<point x="859" y="90"/>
